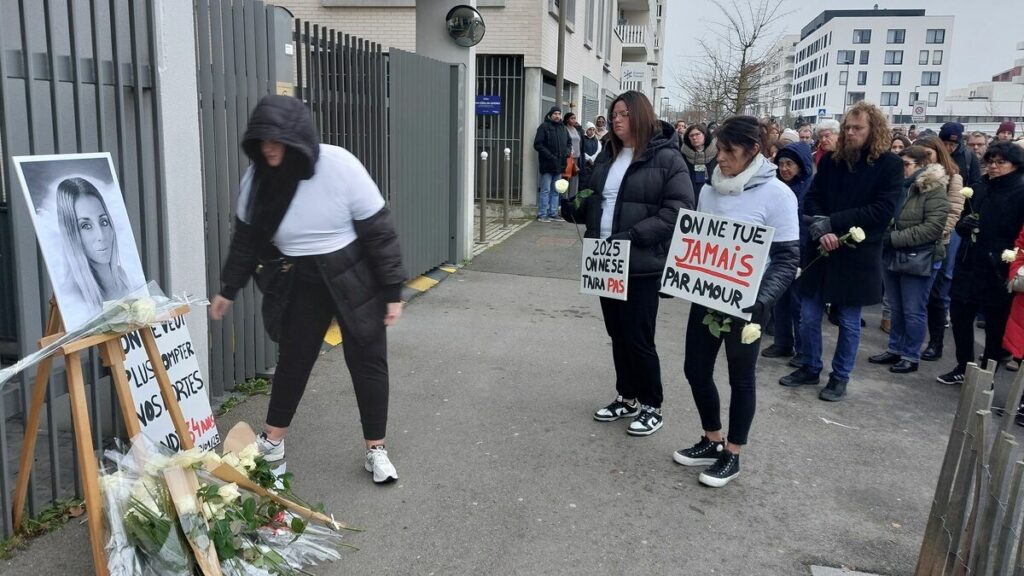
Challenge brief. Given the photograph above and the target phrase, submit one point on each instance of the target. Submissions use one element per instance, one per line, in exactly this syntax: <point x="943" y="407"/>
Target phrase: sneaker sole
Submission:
<point x="273" y="457"/>
<point x="614" y="418"/>
<point x="687" y="461"/>
<point x="386" y="480"/>
<point x="716" y="482"/>
<point x="799" y="384"/>
<point x="632" y="432"/>
<point x="948" y="382"/>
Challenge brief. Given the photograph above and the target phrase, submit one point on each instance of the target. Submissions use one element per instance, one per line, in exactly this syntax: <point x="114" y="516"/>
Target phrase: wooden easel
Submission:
<point x="113" y="357"/>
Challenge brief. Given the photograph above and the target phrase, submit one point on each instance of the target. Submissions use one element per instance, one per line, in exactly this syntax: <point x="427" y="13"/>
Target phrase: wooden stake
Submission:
<point x="1009" y="521"/>
<point x="964" y="547"/>
<point x="1013" y="402"/>
<point x="166" y="390"/>
<point x="982" y="556"/>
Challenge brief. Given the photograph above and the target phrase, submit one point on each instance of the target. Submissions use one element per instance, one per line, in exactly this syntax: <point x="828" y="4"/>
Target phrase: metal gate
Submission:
<point x="74" y="77"/>
<point x="422" y="152"/>
<point x="502" y="76"/>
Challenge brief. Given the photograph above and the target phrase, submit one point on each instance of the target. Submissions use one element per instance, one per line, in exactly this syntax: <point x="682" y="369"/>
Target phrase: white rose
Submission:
<point x="143" y="311"/>
<point x="229" y="492"/>
<point x="247" y="464"/>
<point x="857" y="234"/>
<point x="750" y="334"/>
<point x="562" y="186"/>
<point x="1009" y="255"/>
<point x="231" y="459"/>
<point x="211" y="459"/>
<point x="247" y="456"/>
<point x="145" y="492"/>
<point x="967" y="193"/>
<point x="186" y="459"/>
<point x="211" y="511"/>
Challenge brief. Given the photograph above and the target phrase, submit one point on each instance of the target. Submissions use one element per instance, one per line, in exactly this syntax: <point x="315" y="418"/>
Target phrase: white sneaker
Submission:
<point x="271" y="451"/>
<point x="377" y="462"/>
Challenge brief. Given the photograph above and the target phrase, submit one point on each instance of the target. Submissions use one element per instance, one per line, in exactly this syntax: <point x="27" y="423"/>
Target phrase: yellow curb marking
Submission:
<point x="333" y="336"/>
<point x="449" y="269"/>
<point x="422" y="284"/>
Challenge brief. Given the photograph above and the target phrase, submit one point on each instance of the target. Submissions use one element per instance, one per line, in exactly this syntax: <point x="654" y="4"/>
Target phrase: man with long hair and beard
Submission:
<point x="857" y="185"/>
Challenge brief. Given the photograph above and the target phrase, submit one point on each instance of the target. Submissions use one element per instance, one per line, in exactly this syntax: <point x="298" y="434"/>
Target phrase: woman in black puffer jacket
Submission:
<point x="640" y="183"/>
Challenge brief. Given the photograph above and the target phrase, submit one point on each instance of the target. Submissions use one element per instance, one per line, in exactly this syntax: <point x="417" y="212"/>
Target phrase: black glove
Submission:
<point x="822" y="225"/>
<point x="968" y="225"/>
<point x="755" y="311"/>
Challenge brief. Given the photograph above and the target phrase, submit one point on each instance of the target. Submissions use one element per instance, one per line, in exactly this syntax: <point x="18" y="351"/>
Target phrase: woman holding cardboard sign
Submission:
<point x="743" y="187"/>
<point x="313" y="229"/>
<point x="640" y="183"/>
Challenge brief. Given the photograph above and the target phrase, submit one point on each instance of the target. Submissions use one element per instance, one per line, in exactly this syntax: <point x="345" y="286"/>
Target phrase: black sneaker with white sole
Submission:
<point x="703" y="453"/>
<point x="617" y="409"/>
<point x="953" y="377"/>
<point x="647" y="422"/>
<point x="723" y="471"/>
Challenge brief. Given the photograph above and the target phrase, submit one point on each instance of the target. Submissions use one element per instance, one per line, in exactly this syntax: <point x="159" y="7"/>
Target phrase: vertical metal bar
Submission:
<point x="332" y="88"/>
<point x="222" y="185"/>
<point x="347" y="91"/>
<point x="299" y="47"/>
<point x="258" y="84"/>
<point x="6" y="526"/>
<point x="231" y="67"/>
<point x="483" y="179"/>
<point x="314" y="79"/>
<point x="245" y="64"/>
<point x="158" y="175"/>
<point x="507" y="192"/>
<point x="306" y="50"/>
<point x="5" y="473"/>
<point x="360" y="113"/>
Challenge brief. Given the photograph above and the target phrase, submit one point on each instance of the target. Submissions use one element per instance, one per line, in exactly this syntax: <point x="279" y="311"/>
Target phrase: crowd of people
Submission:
<point x="930" y="225"/>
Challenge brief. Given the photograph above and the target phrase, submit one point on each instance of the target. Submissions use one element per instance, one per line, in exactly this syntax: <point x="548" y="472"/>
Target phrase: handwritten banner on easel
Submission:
<point x="716" y="262"/>
<point x="179" y="359"/>
<point x="604" y="270"/>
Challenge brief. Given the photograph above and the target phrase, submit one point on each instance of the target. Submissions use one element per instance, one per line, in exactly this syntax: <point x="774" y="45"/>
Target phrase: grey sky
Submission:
<point x="985" y="33"/>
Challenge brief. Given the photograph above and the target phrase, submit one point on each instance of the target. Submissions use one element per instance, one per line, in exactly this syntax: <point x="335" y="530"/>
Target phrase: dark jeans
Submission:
<point x="908" y="298"/>
<point x="938" y="297"/>
<point x="631" y="325"/>
<point x="996" y="309"/>
<point x="845" y="357"/>
<point x="302" y="333"/>
<point x="787" y="319"/>
<point x="699" y="367"/>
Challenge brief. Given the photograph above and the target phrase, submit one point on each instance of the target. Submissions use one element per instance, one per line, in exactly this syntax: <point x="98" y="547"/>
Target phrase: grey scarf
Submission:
<point x="699" y="157"/>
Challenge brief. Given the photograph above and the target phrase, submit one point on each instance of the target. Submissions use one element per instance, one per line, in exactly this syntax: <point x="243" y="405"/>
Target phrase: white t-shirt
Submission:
<point x="319" y="219"/>
<point x="611" y="189"/>
<point x="771" y="203"/>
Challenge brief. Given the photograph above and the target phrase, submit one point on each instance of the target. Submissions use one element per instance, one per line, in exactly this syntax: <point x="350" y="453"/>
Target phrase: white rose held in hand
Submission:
<point x="562" y="186"/>
<point x="1009" y="256"/>
<point x="750" y="333"/>
<point x="967" y="193"/>
<point x="857" y="234"/>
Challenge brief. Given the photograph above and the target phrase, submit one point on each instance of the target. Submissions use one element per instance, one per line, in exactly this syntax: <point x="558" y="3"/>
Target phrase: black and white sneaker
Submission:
<point x="722" y="471"/>
<point x="953" y="377"/>
<point x="647" y="422"/>
<point x="618" y="409"/>
<point x="703" y="453"/>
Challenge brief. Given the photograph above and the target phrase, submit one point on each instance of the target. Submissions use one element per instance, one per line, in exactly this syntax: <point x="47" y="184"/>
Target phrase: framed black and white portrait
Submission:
<point x="84" y="233"/>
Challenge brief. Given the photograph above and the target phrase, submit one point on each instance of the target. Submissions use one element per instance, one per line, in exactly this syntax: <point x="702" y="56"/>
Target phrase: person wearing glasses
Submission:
<point x="640" y="183"/>
<point x="917" y="226"/>
<point x="990" y="223"/>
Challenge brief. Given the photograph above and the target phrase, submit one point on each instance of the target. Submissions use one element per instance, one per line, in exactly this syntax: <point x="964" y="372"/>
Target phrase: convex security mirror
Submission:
<point x="465" y="26"/>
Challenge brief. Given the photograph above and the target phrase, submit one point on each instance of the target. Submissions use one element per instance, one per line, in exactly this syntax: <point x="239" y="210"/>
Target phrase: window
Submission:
<point x="894" y="57"/>
<point x="600" y="29"/>
<point x="891" y="78"/>
<point x="854" y="97"/>
<point x="570" y="10"/>
<point x="896" y="36"/>
<point x="608" y="28"/>
<point x="912" y="97"/>
<point x="935" y="36"/>
<point x="844" y="77"/>
<point x="845" y="57"/>
<point x="890" y="99"/>
<point x="588" y="37"/>
<point x="862" y="36"/>
<point x="922" y="58"/>
<point x="933" y="99"/>
<point x="930" y="78"/>
<point x="864" y="57"/>
<point x="862" y="78"/>
<point x="936" y="57"/>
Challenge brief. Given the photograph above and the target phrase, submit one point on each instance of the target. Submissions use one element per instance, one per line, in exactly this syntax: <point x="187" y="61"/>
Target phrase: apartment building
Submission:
<point x="775" y="89"/>
<point x="610" y="46"/>
<point x="891" y="58"/>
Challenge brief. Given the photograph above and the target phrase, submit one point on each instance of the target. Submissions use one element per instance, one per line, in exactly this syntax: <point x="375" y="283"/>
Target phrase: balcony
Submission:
<point x="637" y="42"/>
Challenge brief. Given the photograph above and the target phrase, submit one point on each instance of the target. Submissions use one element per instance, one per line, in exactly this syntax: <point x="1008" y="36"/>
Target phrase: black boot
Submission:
<point x="834" y="391"/>
<point x="932" y="352"/>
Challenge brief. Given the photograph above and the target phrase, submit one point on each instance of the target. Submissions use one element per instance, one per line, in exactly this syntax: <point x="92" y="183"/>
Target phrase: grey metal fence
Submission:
<point x="74" y="77"/>
<point x="502" y="76"/>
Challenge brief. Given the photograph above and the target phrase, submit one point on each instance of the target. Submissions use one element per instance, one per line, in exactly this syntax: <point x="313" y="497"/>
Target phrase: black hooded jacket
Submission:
<point x="653" y="190"/>
<point x="552" y="145"/>
<point x="364" y="276"/>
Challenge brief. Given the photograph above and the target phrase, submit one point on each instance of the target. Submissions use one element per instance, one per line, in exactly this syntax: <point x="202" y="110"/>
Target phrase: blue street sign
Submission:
<point x="822" y="113"/>
<point x="488" y="105"/>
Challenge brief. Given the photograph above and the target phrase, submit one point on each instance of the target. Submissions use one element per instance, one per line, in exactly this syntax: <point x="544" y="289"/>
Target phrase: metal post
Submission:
<point x="508" y="186"/>
<point x="560" y="63"/>
<point x="483" y="179"/>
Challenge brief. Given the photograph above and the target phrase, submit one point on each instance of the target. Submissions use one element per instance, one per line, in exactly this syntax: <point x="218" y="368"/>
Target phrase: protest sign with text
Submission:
<point x="604" y="270"/>
<point x="179" y="359"/>
<point x="716" y="262"/>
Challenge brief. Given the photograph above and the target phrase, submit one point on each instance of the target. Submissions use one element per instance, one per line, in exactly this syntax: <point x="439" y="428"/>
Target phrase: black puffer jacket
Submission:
<point x="654" y="188"/>
<point x="980" y="273"/>
<point x="364" y="276"/>
<point x="552" y="145"/>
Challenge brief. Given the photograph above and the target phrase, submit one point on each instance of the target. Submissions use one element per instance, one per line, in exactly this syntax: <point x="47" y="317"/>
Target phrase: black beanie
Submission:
<point x="555" y="108"/>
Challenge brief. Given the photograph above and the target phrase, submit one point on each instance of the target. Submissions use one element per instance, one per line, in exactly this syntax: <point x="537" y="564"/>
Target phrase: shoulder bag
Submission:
<point x="275" y="278"/>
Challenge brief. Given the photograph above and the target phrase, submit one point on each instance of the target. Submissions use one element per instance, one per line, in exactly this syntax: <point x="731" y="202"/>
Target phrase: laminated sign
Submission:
<point x="716" y="262"/>
<point x="604" y="270"/>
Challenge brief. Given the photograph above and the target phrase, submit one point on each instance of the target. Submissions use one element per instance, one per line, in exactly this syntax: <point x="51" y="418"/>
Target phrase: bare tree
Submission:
<point x="734" y="58"/>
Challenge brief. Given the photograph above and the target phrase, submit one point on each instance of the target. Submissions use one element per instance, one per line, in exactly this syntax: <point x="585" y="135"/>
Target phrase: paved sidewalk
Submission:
<point x="495" y="374"/>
